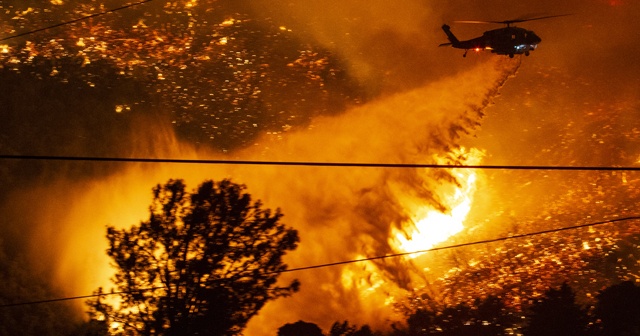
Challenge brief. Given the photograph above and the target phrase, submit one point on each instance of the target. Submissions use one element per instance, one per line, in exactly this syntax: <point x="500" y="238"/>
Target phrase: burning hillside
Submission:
<point x="243" y="80"/>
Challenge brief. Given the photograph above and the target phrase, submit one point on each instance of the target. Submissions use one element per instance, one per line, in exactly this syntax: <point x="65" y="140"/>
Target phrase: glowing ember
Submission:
<point x="431" y="226"/>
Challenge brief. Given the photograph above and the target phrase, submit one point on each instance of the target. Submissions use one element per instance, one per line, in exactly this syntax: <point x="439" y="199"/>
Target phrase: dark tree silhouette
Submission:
<point x="422" y="322"/>
<point x="203" y="264"/>
<point x="491" y="317"/>
<point x="345" y="329"/>
<point x="486" y="316"/>
<point x="365" y="330"/>
<point x="557" y="313"/>
<point x="300" y="328"/>
<point x="618" y="309"/>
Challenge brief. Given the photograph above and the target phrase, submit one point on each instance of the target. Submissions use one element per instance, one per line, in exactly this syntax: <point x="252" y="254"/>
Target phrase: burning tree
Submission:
<point x="204" y="263"/>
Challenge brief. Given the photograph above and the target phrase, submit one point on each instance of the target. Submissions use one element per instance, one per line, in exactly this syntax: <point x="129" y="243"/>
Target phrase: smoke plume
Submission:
<point x="423" y="107"/>
<point x="341" y="213"/>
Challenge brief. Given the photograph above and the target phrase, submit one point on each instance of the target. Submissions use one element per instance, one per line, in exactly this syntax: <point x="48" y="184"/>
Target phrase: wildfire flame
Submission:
<point x="431" y="226"/>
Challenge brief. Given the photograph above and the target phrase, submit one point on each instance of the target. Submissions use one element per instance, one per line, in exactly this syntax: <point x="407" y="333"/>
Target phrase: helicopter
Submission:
<point x="508" y="40"/>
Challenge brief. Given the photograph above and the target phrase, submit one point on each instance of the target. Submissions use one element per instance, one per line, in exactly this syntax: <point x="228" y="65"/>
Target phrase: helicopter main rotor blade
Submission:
<point x="533" y="19"/>
<point x="467" y="21"/>
<point x="508" y="22"/>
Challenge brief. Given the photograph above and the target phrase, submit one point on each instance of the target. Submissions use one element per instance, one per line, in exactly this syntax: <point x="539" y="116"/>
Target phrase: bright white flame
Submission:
<point x="428" y="228"/>
<point x="436" y="226"/>
<point x="432" y="226"/>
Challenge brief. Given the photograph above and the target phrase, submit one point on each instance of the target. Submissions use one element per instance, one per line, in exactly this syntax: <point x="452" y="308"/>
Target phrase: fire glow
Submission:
<point x="341" y="214"/>
<point x="431" y="226"/>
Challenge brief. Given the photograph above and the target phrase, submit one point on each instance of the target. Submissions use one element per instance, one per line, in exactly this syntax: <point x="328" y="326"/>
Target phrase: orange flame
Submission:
<point x="430" y="226"/>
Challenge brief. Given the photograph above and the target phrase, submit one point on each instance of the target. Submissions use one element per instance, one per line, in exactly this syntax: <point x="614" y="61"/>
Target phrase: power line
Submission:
<point x="113" y="10"/>
<point x="74" y="298"/>
<point x="488" y="241"/>
<point x="387" y="256"/>
<point x="313" y="163"/>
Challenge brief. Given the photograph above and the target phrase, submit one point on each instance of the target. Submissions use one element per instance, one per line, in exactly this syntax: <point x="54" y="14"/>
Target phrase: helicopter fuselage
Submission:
<point x="503" y="41"/>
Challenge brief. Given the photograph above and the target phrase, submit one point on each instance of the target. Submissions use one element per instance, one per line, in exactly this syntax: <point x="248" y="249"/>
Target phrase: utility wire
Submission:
<point x="304" y="268"/>
<point x="113" y="10"/>
<point x="448" y="247"/>
<point x="75" y="297"/>
<point x="298" y="163"/>
<point x="313" y="163"/>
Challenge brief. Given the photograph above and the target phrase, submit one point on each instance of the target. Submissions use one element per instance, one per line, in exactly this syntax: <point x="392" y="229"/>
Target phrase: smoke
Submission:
<point x="582" y="78"/>
<point x="424" y="106"/>
<point x="388" y="46"/>
<point x="575" y="99"/>
<point x="341" y="213"/>
<point x="348" y="213"/>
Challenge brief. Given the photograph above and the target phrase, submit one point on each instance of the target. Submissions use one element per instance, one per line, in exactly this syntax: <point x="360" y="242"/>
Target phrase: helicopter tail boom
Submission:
<point x="454" y="40"/>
